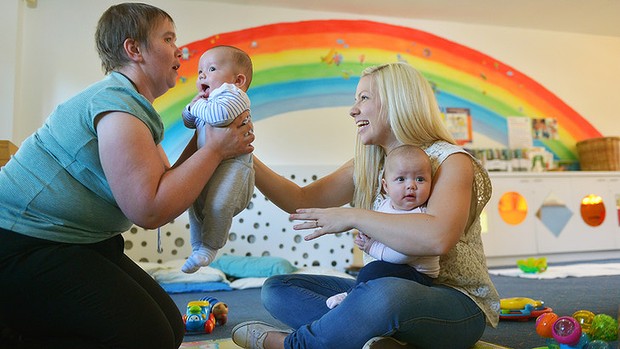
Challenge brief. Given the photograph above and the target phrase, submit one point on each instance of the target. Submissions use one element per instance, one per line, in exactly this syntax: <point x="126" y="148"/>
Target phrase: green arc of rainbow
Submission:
<point x="316" y="63"/>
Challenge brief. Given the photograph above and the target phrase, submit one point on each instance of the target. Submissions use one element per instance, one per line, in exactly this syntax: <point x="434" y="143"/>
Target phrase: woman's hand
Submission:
<point x="231" y="141"/>
<point x="324" y="220"/>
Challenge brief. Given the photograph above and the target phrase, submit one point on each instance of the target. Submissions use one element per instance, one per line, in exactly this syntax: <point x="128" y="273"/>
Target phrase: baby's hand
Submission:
<point x="200" y="95"/>
<point x="363" y="242"/>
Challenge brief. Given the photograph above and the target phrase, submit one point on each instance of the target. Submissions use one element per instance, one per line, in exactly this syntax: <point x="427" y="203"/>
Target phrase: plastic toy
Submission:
<point x="521" y="308"/>
<point x="532" y="265"/>
<point x="604" y="328"/>
<point x="544" y="323"/>
<point x="202" y="315"/>
<point x="597" y="344"/>
<point x="584" y="317"/>
<point x="553" y="344"/>
<point x="581" y="343"/>
<point x="583" y="330"/>
<point x="218" y="308"/>
<point x="198" y="317"/>
<point x="566" y="330"/>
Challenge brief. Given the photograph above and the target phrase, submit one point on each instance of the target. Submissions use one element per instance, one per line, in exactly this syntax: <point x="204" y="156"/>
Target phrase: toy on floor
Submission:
<point x="566" y="330"/>
<point x="532" y="265"/>
<point x="582" y="330"/>
<point x="218" y="308"/>
<point x="584" y="317"/>
<point x="202" y="315"/>
<point x="544" y="323"/>
<point x="604" y="327"/>
<point x="521" y="308"/>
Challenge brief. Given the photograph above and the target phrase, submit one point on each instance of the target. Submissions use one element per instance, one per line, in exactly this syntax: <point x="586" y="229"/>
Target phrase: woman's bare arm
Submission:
<point x="333" y="190"/>
<point x="145" y="188"/>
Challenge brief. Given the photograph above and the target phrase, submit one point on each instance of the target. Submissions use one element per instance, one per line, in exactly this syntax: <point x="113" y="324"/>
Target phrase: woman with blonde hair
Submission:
<point x="394" y="105"/>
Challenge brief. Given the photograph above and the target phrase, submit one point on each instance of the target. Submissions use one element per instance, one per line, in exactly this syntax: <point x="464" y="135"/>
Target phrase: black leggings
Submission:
<point x="57" y="295"/>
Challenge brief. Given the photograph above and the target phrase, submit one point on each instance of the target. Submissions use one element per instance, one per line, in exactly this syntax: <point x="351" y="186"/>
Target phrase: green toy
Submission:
<point x="604" y="327"/>
<point x="532" y="265"/>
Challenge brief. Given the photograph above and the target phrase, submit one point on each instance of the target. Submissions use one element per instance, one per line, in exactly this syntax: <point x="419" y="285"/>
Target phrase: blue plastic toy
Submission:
<point x="198" y="317"/>
<point x="202" y="315"/>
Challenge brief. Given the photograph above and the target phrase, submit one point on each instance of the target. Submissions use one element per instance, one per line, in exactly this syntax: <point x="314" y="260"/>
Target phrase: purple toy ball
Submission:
<point x="566" y="330"/>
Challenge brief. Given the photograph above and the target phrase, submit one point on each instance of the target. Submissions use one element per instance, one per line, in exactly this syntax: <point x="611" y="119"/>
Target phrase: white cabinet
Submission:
<point x="553" y="222"/>
<point x="501" y="238"/>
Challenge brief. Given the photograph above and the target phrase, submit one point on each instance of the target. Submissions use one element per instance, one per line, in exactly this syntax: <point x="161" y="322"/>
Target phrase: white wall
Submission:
<point x="57" y="58"/>
<point x="10" y="18"/>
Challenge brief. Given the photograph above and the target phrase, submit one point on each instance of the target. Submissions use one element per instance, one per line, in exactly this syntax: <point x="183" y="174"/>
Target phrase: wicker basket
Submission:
<point x="599" y="154"/>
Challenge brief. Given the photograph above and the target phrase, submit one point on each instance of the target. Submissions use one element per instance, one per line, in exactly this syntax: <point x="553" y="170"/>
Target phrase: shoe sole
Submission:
<point x="386" y="343"/>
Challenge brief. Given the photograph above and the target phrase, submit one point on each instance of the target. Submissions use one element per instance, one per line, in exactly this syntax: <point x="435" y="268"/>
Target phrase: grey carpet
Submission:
<point x="564" y="296"/>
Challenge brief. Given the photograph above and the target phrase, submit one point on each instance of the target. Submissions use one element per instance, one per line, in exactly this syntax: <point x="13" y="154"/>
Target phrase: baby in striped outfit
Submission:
<point x="224" y="76"/>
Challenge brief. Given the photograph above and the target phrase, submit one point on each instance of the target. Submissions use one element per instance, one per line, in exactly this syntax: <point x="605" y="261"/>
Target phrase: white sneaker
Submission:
<point x="252" y="334"/>
<point x="385" y="343"/>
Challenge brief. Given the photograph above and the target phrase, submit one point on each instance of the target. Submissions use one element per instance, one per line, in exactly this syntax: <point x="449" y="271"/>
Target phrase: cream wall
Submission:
<point x="55" y="58"/>
<point x="10" y="18"/>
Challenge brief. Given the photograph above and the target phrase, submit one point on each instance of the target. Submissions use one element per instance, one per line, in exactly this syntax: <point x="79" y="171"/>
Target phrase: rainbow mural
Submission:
<point x="314" y="64"/>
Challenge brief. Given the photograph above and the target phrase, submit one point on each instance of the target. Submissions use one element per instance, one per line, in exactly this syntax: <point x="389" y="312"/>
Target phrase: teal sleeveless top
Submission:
<point x="54" y="187"/>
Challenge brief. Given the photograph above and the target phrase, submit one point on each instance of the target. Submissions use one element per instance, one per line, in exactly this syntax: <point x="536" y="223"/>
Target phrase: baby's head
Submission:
<point x="407" y="177"/>
<point x="223" y="64"/>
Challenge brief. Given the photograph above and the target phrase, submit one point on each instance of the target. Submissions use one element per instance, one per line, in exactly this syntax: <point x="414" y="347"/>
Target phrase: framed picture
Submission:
<point x="458" y="121"/>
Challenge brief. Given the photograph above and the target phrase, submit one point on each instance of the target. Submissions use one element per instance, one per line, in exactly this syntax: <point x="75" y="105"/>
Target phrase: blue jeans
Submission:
<point x="427" y="317"/>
